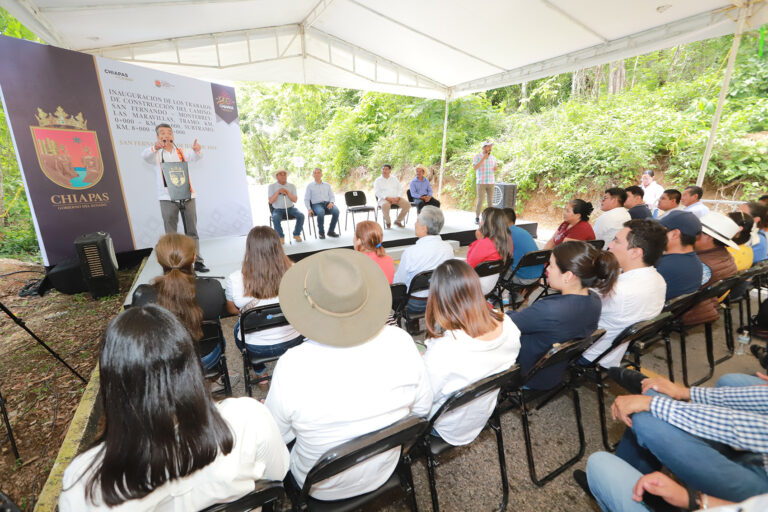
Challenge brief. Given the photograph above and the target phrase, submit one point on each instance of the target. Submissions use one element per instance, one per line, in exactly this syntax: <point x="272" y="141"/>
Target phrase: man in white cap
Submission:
<point x="282" y="197"/>
<point x="352" y="376"/>
<point x="485" y="165"/>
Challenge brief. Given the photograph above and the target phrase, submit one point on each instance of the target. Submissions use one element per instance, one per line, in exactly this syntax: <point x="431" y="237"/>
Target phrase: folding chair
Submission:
<point x="523" y="399"/>
<point x="391" y="208"/>
<point x="254" y="320"/>
<point x="268" y="495"/>
<point x="399" y="299"/>
<point x="506" y="280"/>
<point x="598" y="244"/>
<point x="414" y="203"/>
<point x="290" y="217"/>
<point x="488" y="269"/>
<point x="595" y="373"/>
<point x="213" y="336"/>
<point x="434" y="446"/>
<point x="403" y="434"/>
<point x="740" y="295"/>
<point x="419" y="283"/>
<point x="357" y="203"/>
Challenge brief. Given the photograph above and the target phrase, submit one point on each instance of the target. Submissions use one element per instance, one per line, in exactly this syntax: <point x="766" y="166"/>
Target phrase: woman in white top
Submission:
<point x="166" y="445"/>
<point x="466" y="341"/>
<point x="257" y="284"/>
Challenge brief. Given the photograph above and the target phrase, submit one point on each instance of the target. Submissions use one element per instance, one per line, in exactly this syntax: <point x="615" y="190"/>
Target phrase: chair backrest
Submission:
<point x="399" y="297"/>
<point x="212" y="336"/>
<point x="490" y="268"/>
<point x="266" y="491"/>
<point x="355" y="198"/>
<point x="261" y="318"/>
<point x="639" y="331"/>
<point x="682" y="303"/>
<point x="564" y="352"/>
<point x="507" y="378"/>
<point x="408" y="193"/>
<point x="403" y="433"/>
<point x="717" y="289"/>
<point x="420" y="282"/>
<point x="599" y="244"/>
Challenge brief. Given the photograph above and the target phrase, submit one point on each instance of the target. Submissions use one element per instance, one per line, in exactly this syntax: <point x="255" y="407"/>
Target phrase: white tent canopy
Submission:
<point x="429" y="48"/>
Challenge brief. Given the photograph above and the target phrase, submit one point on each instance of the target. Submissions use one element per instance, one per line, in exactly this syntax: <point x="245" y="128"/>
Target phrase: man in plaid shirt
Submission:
<point x="485" y="165"/>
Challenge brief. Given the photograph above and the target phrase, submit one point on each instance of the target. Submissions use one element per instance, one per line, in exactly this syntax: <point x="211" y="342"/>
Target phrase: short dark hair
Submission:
<point x="745" y="222"/>
<point x="673" y="194"/>
<point x="649" y="172"/>
<point x="635" y="190"/>
<point x="697" y="191"/>
<point x="763" y="198"/>
<point x="618" y="193"/>
<point x="758" y="209"/>
<point x="648" y="235"/>
<point x="511" y="215"/>
<point x="687" y="240"/>
<point x="162" y="125"/>
<point x="583" y="208"/>
<point x="387" y="166"/>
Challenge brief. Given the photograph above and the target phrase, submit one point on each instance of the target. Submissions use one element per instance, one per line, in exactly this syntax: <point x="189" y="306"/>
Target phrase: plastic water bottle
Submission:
<point x="742" y="342"/>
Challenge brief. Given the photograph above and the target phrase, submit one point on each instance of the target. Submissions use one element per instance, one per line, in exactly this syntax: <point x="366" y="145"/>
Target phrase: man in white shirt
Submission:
<point x="691" y="199"/>
<point x="352" y="376"/>
<point x="651" y="190"/>
<point x="389" y="193"/>
<point x="614" y="215"/>
<point x="429" y="251"/>
<point x="669" y="200"/>
<point x="640" y="290"/>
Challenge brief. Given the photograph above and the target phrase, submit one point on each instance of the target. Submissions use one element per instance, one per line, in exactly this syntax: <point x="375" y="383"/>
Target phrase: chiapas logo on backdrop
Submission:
<point x="224" y="102"/>
<point x="68" y="152"/>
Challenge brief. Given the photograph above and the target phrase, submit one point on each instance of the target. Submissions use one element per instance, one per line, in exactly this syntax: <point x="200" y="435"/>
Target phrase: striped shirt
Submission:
<point x="735" y="416"/>
<point x="484" y="173"/>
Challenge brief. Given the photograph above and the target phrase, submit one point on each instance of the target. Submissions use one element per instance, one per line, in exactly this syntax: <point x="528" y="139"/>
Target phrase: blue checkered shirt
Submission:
<point x="735" y="416"/>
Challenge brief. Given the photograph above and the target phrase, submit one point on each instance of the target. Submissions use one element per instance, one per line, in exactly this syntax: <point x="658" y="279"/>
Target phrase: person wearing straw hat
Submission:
<point x="282" y="197"/>
<point x="421" y="190"/>
<point x="485" y="165"/>
<point x="353" y="375"/>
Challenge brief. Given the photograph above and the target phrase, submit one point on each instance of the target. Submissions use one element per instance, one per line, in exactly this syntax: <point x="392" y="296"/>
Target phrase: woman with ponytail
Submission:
<point x="190" y="298"/>
<point x="575" y="224"/>
<point x="368" y="239"/>
<point x="574" y="268"/>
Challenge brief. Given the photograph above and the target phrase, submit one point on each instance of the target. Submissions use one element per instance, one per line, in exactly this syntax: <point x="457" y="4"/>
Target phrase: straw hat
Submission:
<point x="279" y="171"/>
<point x="338" y="297"/>
<point x="720" y="227"/>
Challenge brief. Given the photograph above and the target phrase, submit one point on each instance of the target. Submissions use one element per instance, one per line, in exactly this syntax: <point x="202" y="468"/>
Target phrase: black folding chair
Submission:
<point x="254" y="320"/>
<point x="419" y="283"/>
<point x="414" y="203"/>
<point x="286" y="219"/>
<point x="268" y="495"/>
<point x="399" y="299"/>
<point x="434" y="446"/>
<point x="493" y="268"/>
<point x="213" y="336"/>
<point x="506" y="280"/>
<point x="593" y="372"/>
<point x="598" y="244"/>
<point x="357" y="203"/>
<point x="523" y="399"/>
<point x="740" y="295"/>
<point x="403" y="434"/>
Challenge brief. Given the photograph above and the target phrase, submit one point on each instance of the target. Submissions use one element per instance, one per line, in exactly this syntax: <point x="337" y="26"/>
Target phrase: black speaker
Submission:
<point x="504" y="195"/>
<point x="66" y="277"/>
<point x="98" y="263"/>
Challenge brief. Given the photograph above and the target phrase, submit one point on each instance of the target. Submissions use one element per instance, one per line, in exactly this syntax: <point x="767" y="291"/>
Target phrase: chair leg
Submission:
<point x="601" y="410"/>
<point x="225" y="375"/>
<point x="406" y="481"/>
<point x="431" y="465"/>
<point x="708" y="341"/>
<point x="668" y="349"/>
<point x="247" y="373"/>
<point x="495" y="424"/>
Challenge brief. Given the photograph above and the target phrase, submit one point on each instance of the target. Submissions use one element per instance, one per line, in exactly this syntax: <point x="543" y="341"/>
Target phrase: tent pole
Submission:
<point x="723" y="91"/>
<point x="442" y="154"/>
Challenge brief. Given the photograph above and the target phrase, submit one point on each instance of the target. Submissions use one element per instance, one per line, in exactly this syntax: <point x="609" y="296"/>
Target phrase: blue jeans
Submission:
<point x="278" y="214"/>
<point x="320" y="209"/>
<point x="711" y="467"/>
<point x="210" y="359"/>
<point x="611" y="481"/>
<point x="276" y="349"/>
<point x="738" y="380"/>
<point x="416" y="306"/>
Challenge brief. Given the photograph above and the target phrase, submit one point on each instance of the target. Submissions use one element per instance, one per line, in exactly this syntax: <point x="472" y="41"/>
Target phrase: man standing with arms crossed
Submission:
<point x="485" y="166"/>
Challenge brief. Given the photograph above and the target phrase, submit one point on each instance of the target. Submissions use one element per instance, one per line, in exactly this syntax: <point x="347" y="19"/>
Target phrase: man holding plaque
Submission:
<point x="165" y="151"/>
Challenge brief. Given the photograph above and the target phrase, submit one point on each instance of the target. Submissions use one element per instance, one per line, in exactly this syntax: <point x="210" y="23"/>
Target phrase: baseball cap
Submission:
<point x="686" y="222"/>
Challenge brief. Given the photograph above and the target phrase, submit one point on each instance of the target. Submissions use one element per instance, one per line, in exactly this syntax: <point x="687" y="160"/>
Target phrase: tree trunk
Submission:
<point x="617" y="78"/>
<point x="524" y="97"/>
<point x="579" y="85"/>
<point x="634" y="73"/>
<point x="596" y="83"/>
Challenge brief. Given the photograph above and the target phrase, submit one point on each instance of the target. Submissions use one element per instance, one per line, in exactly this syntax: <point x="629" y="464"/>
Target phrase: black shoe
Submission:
<point x="630" y="380"/>
<point x="333" y="234"/>
<point x="200" y="267"/>
<point x="322" y="236"/>
<point x="581" y="479"/>
<point x="761" y="354"/>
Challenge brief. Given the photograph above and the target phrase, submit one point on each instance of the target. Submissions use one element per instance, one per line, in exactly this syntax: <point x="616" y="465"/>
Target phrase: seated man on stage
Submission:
<point x="164" y="150"/>
<point x="282" y="197"/>
<point x="421" y="190"/>
<point x="389" y="193"/>
<point x="320" y="200"/>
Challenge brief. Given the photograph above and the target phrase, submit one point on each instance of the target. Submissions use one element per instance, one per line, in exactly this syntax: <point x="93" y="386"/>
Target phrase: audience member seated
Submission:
<point x="640" y="290"/>
<point x="717" y="231"/>
<point x="494" y="242"/>
<point x="421" y="190"/>
<point x="763" y="199"/>
<point x="634" y="204"/>
<point x="257" y="284"/>
<point x="192" y="299"/>
<point x="669" y="201"/>
<point x="758" y="242"/>
<point x="743" y="256"/>
<point x="522" y="244"/>
<point x="466" y="341"/>
<point x="319" y="200"/>
<point x="353" y="375"/>
<point x="427" y="253"/>
<point x="575" y="224"/>
<point x="166" y="445"/>
<point x="574" y="268"/>
<point x="679" y="266"/>
<point x="368" y="240"/>
<point x="282" y="197"/>
<point x="389" y="193"/>
<point x="614" y="215"/>
<point x="651" y="189"/>
<point x="691" y="200"/>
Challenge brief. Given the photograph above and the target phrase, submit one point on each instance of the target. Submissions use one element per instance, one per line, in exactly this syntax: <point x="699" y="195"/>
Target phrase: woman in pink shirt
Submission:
<point x="494" y="241"/>
<point x="368" y="239"/>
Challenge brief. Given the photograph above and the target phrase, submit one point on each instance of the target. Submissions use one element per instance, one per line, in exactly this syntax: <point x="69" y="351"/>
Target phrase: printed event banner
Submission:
<point x="80" y="124"/>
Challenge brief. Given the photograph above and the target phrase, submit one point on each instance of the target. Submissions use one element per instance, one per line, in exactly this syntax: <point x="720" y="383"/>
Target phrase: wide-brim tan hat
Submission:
<point x="279" y="171"/>
<point x="338" y="297"/>
<point x="720" y="227"/>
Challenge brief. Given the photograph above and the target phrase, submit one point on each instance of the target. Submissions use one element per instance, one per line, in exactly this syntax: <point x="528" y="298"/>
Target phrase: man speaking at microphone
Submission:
<point x="164" y="150"/>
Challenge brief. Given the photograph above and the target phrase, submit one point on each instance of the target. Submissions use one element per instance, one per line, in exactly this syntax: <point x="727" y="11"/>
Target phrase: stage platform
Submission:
<point x="225" y="255"/>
